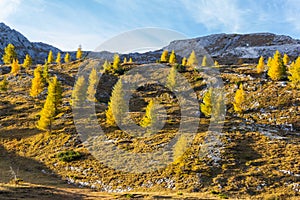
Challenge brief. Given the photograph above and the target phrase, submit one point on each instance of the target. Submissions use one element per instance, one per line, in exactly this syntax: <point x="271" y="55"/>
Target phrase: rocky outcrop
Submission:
<point x="229" y="48"/>
<point x="37" y="50"/>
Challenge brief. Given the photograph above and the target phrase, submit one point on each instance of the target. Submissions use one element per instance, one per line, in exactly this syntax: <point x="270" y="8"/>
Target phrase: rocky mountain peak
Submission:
<point x="38" y="51"/>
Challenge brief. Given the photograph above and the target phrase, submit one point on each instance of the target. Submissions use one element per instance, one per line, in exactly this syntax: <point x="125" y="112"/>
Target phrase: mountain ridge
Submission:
<point x="225" y="48"/>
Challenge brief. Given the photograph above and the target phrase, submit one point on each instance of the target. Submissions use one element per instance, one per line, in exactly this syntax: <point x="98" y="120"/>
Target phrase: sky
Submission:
<point x="67" y="24"/>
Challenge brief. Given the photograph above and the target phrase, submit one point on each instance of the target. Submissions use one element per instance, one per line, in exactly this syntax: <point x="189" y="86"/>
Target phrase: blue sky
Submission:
<point x="68" y="23"/>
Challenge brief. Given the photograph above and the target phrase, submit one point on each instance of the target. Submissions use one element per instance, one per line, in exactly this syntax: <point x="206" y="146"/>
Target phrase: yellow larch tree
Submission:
<point x="172" y="59"/>
<point x="239" y="99"/>
<point x="58" y="58"/>
<point x="79" y="93"/>
<point x="116" y="106"/>
<point x="277" y="69"/>
<point x="15" y="67"/>
<point x="261" y="65"/>
<point x="286" y="59"/>
<point x="164" y="56"/>
<point x="204" y="61"/>
<point x="206" y="106"/>
<point x="184" y="61"/>
<point x="27" y="61"/>
<point x="92" y="88"/>
<point x="192" y="60"/>
<point x="294" y="73"/>
<point x="50" y="57"/>
<point x="67" y="58"/>
<point x="171" y="79"/>
<point x="9" y="54"/>
<point x="37" y="85"/>
<point x="51" y="104"/>
<point x="79" y="53"/>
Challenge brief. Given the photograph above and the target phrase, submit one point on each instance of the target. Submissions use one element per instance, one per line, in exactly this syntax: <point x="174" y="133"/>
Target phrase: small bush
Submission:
<point x="69" y="156"/>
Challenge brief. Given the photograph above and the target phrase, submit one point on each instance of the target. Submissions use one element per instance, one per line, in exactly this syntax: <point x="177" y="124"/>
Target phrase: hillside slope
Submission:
<point x="258" y="154"/>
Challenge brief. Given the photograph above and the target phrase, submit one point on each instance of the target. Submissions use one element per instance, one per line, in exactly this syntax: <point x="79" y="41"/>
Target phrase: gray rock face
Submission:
<point x="228" y="48"/>
<point x="37" y="50"/>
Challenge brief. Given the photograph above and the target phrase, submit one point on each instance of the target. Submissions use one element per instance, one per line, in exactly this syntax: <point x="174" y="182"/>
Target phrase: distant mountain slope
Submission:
<point x="37" y="50"/>
<point x="228" y="48"/>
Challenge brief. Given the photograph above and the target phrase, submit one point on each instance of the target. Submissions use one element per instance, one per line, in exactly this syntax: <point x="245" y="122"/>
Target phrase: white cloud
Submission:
<point x="216" y="14"/>
<point x="292" y="13"/>
<point x="8" y="7"/>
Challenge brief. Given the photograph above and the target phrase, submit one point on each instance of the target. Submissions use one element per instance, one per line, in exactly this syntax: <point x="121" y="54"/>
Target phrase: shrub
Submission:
<point x="69" y="156"/>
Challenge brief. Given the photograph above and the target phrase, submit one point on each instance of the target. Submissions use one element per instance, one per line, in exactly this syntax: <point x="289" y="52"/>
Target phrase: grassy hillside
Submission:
<point x="259" y="151"/>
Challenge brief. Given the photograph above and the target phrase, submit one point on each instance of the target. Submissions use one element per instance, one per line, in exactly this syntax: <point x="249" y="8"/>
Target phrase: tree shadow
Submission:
<point x="37" y="180"/>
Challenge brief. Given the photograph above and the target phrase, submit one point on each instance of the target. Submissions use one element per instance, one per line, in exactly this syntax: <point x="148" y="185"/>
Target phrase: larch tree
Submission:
<point x="130" y="60"/>
<point x="150" y="118"/>
<point x="179" y="148"/>
<point x="37" y="84"/>
<point x="45" y="73"/>
<point x="277" y="69"/>
<point x="92" y="88"/>
<point x="192" y="60"/>
<point x="294" y="73"/>
<point x="9" y="54"/>
<point x="79" y="93"/>
<point x="27" y="61"/>
<point x="261" y="65"/>
<point x="124" y="60"/>
<point x="79" y="53"/>
<point x="216" y="64"/>
<point x="50" y="57"/>
<point x="286" y="59"/>
<point x="171" y="79"/>
<point x="58" y="58"/>
<point x="50" y="109"/>
<point x="204" y="61"/>
<point x="164" y="56"/>
<point x="67" y="58"/>
<point x="116" y="106"/>
<point x="269" y="62"/>
<point x="206" y="106"/>
<point x="239" y="99"/>
<point x="172" y="59"/>
<point x="15" y="67"/>
<point x="184" y="61"/>
<point x="107" y="66"/>
<point x="116" y="64"/>
<point x="3" y="84"/>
